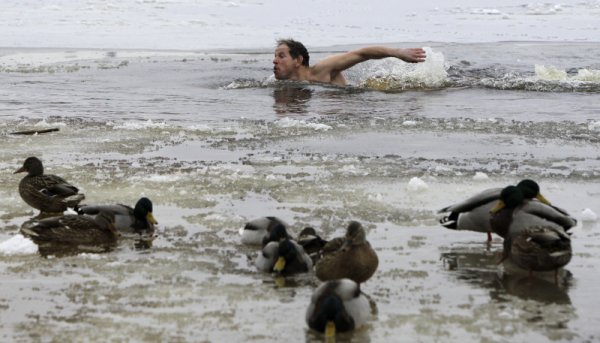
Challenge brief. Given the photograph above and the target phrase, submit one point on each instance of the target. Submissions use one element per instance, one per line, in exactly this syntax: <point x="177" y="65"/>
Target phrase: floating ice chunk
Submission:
<point x="201" y="128"/>
<point x="417" y="185"/>
<point x="91" y="256"/>
<point x="479" y="176"/>
<point x="18" y="245"/>
<point x="289" y="122"/>
<point x="353" y="170"/>
<point x="44" y="123"/>
<point x="409" y="123"/>
<point x="137" y="125"/>
<point x="486" y="11"/>
<point x="588" y="215"/>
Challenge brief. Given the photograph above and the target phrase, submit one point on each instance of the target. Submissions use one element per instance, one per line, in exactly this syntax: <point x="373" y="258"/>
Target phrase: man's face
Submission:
<point x="284" y="65"/>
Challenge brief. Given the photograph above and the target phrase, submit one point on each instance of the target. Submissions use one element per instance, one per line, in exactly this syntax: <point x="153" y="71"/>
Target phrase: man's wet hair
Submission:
<point x="296" y="49"/>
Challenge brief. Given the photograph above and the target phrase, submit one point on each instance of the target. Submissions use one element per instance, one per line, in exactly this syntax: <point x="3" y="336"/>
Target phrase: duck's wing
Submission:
<point x="475" y="201"/>
<point x="303" y="261"/>
<point x="117" y="209"/>
<point x="333" y="245"/>
<point x="550" y="213"/>
<point x="66" y="229"/>
<point x="56" y="185"/>
<point x="267" y="257"/>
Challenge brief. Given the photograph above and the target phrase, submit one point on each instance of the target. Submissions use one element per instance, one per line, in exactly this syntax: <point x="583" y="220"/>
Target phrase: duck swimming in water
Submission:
<point x="283" y="257"/>
<point x="257" y="231"/>
<point x="74" y="230"/>
<point x="129" y="220"/>
<point x="337" y="306"/>
<point x="350" y="257"/>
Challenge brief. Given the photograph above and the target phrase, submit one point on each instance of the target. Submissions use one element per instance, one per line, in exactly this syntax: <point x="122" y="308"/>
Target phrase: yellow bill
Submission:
<point x="329" y="329"/>
<point x="499" y="205"/>
<point x="279" y="265"/>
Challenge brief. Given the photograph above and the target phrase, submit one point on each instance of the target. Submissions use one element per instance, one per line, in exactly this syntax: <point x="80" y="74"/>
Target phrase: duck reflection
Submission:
<point x="291" y="99"/>
<point x="481" y="268"/>
<point x="537" y="289"/>
<point x="143" y="242"/>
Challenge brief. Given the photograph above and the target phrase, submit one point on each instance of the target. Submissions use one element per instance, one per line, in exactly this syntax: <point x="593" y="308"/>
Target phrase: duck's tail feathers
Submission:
<point x="448" y="222"/>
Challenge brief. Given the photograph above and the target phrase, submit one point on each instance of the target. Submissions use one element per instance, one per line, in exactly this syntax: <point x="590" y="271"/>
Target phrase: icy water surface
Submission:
<point x="215" y="142"/>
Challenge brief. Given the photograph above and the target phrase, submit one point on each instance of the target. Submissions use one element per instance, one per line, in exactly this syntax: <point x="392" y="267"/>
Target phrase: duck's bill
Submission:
<point x="542" y="199"/>
<point x="330" y="329"/>
<point x="279" y="265"/>
<point x="151" y="219"/>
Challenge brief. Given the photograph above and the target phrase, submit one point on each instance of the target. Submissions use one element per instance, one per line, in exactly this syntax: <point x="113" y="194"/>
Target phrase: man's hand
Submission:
<point x="412" y="55"/>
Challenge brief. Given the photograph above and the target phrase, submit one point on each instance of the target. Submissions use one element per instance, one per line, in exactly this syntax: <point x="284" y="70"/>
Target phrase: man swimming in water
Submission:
<point x="291" y="61"/>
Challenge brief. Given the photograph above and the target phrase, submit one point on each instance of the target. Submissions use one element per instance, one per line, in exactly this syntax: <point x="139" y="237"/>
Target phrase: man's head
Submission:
<point x="290" y="56"/>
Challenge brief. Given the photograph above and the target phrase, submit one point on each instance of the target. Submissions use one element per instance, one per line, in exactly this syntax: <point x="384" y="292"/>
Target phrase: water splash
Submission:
<point x="393" y="75"/>
<point x="550" y="73"/>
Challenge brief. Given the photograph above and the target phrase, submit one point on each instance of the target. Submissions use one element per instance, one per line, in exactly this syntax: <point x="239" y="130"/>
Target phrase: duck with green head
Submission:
<point x="337" y="306"/>
<point x="473" y="214"/>
<point x="45" y="192"/>
<point x="128" y="220"/>
<point x="283" y="257"/>
<point x="257" y="231"/>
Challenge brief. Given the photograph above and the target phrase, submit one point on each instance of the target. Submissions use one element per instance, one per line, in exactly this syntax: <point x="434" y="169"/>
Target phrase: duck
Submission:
<point x="256" y="231"/>
<point x="350" y="257"/>
<point x="284" y="257"/>
<point x="504" y="213"/>
<point x="473" y="214"/>
<point x="337" y="306"/>
<point x="127" y="220"/>
<point x="45" y="192"/>
<point x="277" y="233"/>
<point x="533" y="237"/>
<point x="312" y="243"/>
<point x="74" y="230"/>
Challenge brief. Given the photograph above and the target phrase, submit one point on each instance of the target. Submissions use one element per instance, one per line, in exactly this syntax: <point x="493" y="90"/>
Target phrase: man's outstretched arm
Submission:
<point x="341" y="62"/>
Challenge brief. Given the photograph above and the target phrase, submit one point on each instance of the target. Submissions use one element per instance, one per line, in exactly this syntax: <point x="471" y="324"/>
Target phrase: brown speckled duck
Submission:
<point x="47" y="193"/>
<point x="350" y="257"/>
<point x="534" y="238"/>
<point x="74" y="230"/>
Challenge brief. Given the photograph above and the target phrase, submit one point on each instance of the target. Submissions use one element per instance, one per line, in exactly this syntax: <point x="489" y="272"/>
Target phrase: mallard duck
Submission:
<point x="312" y="243"/>
<point x="47" y="193"/>
<point x="533" y="239"/>
<point x="127" y="219"/>
<point x="350" y="257"/>
<point x="283" y="257"/>
<point x="513" y="204"/>
<point x="278" y="232"/>
<point x="256" y="231"/>
<point x="540" y="249"/>
<point x="74" y="230"/>
<point x="473" y="214"/>
<point x="337" y="306"/>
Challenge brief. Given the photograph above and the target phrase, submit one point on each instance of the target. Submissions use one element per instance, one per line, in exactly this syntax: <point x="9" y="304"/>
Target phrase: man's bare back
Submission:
<point x="291" y="61"/>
